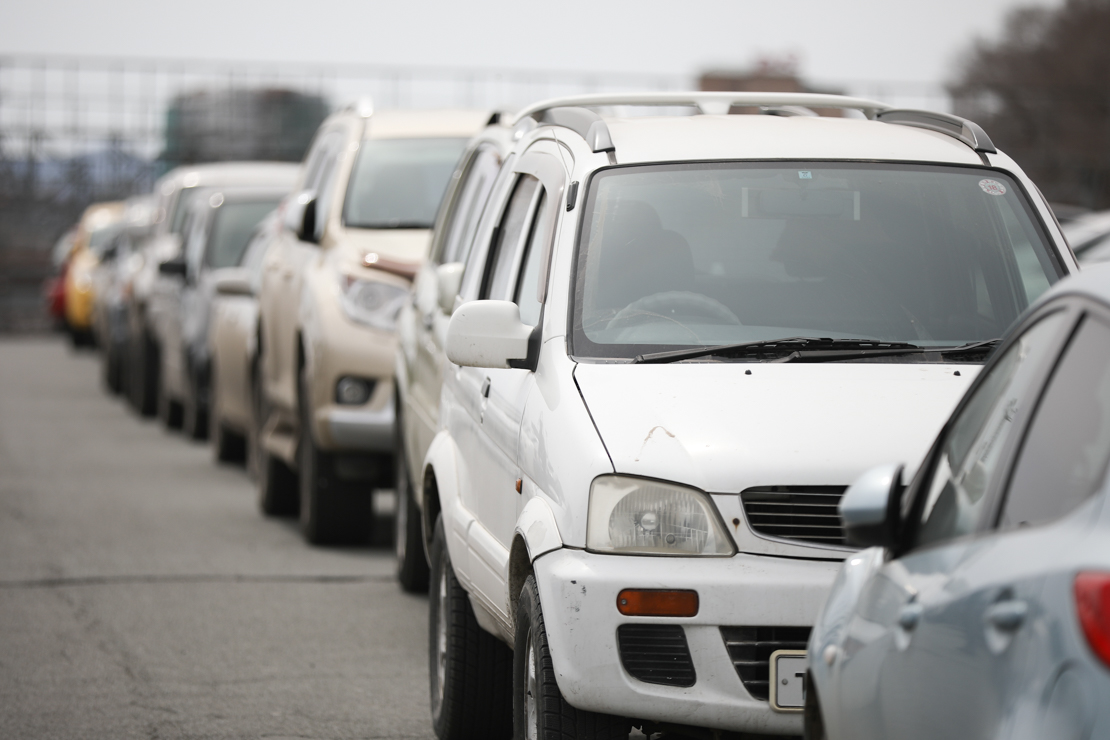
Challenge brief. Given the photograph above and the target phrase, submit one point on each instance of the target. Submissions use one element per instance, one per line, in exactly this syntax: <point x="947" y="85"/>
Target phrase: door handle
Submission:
<point x="485" y="388"/>
<point x="909" y="617"/>
<point x="1007" y="616"/>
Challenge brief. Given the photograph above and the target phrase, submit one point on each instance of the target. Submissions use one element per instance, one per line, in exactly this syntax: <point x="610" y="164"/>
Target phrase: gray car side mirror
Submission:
<point x="870" y="508"/>
<point x="299" y="216"/>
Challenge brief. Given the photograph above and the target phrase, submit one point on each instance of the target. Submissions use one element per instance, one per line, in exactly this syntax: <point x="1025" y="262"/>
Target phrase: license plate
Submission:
<point x="788" y="680"/>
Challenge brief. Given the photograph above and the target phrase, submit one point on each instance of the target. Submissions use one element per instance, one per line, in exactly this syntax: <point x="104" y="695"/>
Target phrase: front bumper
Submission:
<point x="359" y="428"/>
<point x="578" y="592"/>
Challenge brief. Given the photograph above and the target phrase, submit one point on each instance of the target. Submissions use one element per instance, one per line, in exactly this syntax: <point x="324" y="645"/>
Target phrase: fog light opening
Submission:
<point x="657" y="603"/>
<point x="351" y="391"/>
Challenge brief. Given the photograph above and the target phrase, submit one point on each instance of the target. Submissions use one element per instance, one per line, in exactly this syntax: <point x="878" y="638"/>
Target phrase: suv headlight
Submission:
<point x="638" y="516"/>
<point x="370" y="302"/>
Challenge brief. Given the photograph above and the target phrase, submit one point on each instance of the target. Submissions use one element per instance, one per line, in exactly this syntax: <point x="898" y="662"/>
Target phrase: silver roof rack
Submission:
<point x="966" y="131"/>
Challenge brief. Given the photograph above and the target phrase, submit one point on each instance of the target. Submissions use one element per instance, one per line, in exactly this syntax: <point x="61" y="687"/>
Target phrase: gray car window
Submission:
<point x="527" y="289"/>
<point x="503" y="254"/>
<point x="1064" y="456"/>
<point x="235" y="221"/>
<point x="970" y="453"/>
<point x="468" y="206"/>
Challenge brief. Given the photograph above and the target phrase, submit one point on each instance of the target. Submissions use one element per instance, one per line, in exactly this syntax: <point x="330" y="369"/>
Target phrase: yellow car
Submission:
<point x="96" y="228"/>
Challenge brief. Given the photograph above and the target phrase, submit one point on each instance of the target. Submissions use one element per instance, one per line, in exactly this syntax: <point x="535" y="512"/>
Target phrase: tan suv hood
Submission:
<point x="402" y="245"/>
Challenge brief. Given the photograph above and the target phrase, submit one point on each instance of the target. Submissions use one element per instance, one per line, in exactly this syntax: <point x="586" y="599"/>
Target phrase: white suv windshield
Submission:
<point x="688" y="255"/>
<point x="398" y="183"/>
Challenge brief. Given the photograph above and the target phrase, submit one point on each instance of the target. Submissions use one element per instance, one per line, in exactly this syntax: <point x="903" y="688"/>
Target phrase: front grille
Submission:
<point x="656" y="653"/>
<point x="750" y="649"/>
<point x="807" y="513"/>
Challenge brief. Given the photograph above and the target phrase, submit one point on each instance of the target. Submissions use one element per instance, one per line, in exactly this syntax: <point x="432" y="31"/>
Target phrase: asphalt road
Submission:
<point x="143" y="595"/>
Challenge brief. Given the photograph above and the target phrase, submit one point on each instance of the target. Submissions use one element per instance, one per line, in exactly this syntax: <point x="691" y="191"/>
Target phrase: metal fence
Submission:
<point x="79" y="130"/>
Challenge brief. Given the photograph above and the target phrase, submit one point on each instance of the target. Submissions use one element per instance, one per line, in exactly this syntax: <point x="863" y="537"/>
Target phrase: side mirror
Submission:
<point x="177" y="267"/>
<point x="448" y="281"/>
<point x="234" y="281"/>
<point x="488" y="334"/>
<point x="300" y="215"/>
<point x="871" y="506"/>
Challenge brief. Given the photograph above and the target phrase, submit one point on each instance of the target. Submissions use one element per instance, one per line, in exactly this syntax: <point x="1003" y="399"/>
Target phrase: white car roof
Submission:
<point x="1092" y="282"/>
<point x="716" y="137"/>
<point x="228" y="174"/>
<point x="406" y="124"/>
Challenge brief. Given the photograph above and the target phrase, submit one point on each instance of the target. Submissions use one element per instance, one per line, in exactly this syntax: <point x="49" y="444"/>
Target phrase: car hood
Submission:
<point x="408" y="246"/>
<point x="718" y="428"/>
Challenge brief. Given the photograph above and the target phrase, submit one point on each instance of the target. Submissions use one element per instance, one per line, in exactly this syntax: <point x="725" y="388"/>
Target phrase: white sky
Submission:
<point x="852" y="40"/>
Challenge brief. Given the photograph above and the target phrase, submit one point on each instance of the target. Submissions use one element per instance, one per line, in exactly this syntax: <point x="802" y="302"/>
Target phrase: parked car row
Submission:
<point x="620" y="357"/>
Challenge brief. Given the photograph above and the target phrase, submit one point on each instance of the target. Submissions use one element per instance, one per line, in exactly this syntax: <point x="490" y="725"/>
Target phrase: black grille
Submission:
<point x="656" y="653"/>
<point x="750" y="649"/>
<point x="806" y="513"/>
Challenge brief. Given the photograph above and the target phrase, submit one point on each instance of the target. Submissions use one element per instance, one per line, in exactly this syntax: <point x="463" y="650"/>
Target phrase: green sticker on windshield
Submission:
<point x="805" y="175"/>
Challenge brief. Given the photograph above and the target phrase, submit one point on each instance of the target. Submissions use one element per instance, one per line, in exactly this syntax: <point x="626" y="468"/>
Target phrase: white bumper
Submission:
<point x="366" y="429"/>
<point x="578" y="592"/>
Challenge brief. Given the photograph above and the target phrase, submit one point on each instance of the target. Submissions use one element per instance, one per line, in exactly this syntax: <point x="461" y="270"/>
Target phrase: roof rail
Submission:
<point x="710" y="103"/>
<point x="363" y="107"/>
<point x="966" y="131"/>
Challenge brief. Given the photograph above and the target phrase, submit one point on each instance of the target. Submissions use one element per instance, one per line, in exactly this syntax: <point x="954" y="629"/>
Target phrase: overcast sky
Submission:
<point x="851" y="40"/>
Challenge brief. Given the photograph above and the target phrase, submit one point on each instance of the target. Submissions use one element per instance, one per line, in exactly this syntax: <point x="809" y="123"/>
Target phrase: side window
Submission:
<point x="1065" y="453"/>
<point x="970" y="453"/>
<point x="528" y="285"/>
<point x="503" y="253"/>
<point x="463" y="221"/>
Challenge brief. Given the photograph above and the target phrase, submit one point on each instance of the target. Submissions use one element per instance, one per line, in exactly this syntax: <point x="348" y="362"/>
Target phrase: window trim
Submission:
<point x="916" y="492"/>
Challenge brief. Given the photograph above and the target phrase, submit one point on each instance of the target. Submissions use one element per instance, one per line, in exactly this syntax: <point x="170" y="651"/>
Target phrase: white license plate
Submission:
<point x="788" y="680"/>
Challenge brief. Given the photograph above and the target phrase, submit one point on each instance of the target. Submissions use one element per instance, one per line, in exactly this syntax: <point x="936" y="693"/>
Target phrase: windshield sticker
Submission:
<point x="992" y="187"/>
<point x="805" y="175"/>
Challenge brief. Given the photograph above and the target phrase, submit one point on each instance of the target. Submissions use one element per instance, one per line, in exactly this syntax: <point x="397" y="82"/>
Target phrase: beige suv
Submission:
<point x="355" y="232"/>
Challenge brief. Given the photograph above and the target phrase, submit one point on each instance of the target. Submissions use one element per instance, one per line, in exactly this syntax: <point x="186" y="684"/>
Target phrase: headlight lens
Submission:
<point x="647" y="517"/>
<point x="372" y="303"/>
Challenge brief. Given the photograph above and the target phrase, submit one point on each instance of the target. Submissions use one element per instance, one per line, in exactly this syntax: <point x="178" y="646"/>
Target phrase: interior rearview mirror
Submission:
<point x="488" y="334"/>
<point x="299" y="215"/>
<point x="448" y="281"/>
<point x="177" y="267"/>
<point x="870" y="507"/>
<point x="233" y="281"/>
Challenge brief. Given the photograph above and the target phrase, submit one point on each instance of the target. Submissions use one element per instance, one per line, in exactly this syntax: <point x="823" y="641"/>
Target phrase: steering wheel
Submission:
<point x="672" y="304"/>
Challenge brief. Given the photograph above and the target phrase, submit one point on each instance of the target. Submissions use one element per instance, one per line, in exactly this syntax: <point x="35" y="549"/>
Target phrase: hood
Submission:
<point x="400" y="245"/>
<point x="715" y="427"/>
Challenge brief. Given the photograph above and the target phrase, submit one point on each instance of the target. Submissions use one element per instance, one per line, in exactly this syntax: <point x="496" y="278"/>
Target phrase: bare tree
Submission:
<point x="1043" y="94"/>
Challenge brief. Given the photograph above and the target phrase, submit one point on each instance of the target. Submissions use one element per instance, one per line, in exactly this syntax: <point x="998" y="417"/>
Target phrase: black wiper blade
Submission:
<point x="832" y="355"/>
<point x="786" y="344"/>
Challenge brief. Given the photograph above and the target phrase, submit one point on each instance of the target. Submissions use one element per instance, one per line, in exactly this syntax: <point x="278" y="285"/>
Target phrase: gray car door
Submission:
<point x="936" y="636"/>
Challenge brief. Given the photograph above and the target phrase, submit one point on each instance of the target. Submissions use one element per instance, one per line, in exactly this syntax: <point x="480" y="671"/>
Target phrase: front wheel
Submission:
<point x="814" y="722"/>
<point x="539" y="710"/>
<point x="470" y="670"/>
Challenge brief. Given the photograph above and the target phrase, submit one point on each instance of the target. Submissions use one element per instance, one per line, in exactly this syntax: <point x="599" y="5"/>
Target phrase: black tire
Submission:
<point x="143" y="378"/>
<point x="408" y="534"/>
<point x="194" y="412"/>
<point x="470" y="670"/>
<point x="333" y="511"/>
<point x="539" y="709"/>
<point x="277" y="483"/>
<point x="814" y="721"/>
<point x="169" y="411"/>
<point x="112" y="367"/>
<point x="227" y="446"/>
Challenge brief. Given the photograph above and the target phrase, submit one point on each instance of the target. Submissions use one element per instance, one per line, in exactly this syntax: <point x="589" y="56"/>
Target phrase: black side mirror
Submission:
<point x="177" y="267"/>
<point x="300" y="216"/>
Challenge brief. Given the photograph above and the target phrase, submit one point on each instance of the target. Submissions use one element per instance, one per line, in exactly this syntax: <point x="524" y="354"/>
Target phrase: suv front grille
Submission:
<point x="656" y="653"/>
<point x="806" y="513"/>
<point x="750" y="649"/>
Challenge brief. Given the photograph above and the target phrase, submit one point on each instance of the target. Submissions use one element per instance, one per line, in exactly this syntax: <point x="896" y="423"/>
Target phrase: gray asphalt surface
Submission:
<point x="143" y="595"/>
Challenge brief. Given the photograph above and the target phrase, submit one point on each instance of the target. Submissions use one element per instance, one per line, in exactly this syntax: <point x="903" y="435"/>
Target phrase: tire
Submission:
<point x="194" y="413"/>
<point x="111" y="366"/>
<point x="408" y="536"/>
<point x="277" y="484"/>
<point x="145" y="365"/>
<point x="169" y="411"/>
<point x="814" y="721"/>
<point x="227" y="446"/>
<point x="333" y="511"/>
<point x="470" y="670"/>
<point x="539" y="709"/>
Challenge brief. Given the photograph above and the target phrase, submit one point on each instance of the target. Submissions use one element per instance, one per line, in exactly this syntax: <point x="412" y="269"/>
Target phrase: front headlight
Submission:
<point x="370" y="302"/>
<point x="638" y="516"/>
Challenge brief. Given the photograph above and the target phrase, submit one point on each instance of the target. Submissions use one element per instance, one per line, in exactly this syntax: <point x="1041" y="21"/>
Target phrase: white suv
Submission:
<point x="677" y="340"/>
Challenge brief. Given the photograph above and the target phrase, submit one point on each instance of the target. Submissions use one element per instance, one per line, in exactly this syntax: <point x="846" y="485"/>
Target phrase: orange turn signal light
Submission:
<point x="654" y="603"/>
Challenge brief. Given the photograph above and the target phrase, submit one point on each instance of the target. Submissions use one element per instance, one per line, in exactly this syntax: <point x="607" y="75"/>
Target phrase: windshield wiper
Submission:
<point x="832" y="355"/>
<point x="794" y="345"/>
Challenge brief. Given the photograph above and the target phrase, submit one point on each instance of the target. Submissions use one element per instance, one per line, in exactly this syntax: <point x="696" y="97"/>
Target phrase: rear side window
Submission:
<point x="972" y="449"/>
<point x="507" y="239"/>
<point x="1064" y="457"/>
<point x="468" y="206"/>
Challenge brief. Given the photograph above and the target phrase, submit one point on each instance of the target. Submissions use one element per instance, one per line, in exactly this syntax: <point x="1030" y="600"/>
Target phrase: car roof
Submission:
<point x="1091" y="282"/>
<point x="405" y="124"/>
<point x="223" y="174"/>
<point x="761" y="137"/>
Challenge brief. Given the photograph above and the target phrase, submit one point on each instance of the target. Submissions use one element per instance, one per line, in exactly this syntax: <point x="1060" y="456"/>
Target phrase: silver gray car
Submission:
<point x="981" y="606"/>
